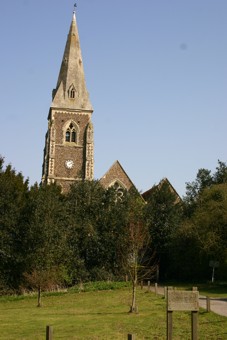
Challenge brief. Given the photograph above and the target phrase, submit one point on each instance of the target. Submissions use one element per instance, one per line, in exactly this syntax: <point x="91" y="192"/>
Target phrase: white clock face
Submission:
<point x="69" y="164"/>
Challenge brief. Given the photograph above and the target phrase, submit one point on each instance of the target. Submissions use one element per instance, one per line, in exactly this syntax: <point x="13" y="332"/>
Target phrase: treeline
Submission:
<point x="49" y="239"/>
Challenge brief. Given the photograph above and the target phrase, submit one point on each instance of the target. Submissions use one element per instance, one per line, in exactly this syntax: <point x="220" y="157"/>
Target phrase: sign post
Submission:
<point x="179" y="300"/>
<point x="213" y="264"/>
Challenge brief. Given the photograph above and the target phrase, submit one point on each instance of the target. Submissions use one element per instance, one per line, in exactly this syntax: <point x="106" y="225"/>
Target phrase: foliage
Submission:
<point x="13" y="193"/>
<point x="204" y="179"/>
<point x="93" y="234"/>
<point x="99" y="285"/>
<point x="164" y="215"/>
<point x="95" y="225"/>
<point x="210" y="220"/>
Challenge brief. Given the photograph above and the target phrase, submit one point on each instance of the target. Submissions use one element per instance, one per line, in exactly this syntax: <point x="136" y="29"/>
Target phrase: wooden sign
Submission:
<point x="182" y="300"/>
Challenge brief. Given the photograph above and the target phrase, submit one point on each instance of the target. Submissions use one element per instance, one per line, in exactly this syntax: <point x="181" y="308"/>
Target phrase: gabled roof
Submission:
<point x="149" y="192"/>
<point x="116" y="173"/>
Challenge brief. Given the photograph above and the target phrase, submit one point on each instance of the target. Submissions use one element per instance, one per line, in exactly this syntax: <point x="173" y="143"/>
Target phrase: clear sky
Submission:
<point x="156" y="71"/>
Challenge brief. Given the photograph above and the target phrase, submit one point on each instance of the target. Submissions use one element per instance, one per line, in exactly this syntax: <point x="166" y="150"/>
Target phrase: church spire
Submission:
<point x="71" y="89"/>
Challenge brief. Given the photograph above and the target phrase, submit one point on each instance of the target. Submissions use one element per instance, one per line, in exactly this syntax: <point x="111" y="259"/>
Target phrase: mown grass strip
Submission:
<point x="101" y="315"/>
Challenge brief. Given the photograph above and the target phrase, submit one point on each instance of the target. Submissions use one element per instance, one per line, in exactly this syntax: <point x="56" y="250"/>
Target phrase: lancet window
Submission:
<point x="72" y="92"/>
<point x="71" y="133"/>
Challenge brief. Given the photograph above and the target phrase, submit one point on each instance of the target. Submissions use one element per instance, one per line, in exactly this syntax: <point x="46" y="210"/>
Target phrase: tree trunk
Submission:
<point x="133" y="308"/>
<point x="39" y="297"/>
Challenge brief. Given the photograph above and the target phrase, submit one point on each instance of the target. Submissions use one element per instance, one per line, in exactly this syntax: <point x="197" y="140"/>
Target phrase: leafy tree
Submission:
<point x="210" y="220"/>
<point x="97" y="222"/>
<point x="13" y="194"/>
<point x="46" y="233"/>
<point x="187" y="262"/>
<point x="193" y="190"/>
<point x="164" y="215"/>
<point x="203" y="236"/>
<point x="84" y="205"/>
<point x="220" y="176"/>
<point x="204" y="179"/>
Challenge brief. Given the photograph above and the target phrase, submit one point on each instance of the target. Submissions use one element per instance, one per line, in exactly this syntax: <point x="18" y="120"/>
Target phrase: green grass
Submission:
<point x="100" y="315"/>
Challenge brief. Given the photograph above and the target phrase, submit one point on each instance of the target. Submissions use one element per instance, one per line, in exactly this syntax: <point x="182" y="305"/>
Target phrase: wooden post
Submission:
<point x="49" y="333"/>
<point x="165" y="293"/>
<point x="141" y="284"/>
<point x="208" y="304"/>
<point x="131" y="337"/>
<point x="169" y="325"/>
<point x="194" y="316"/>
<point x="156" y="288"/>
<point x="149" y="286"/>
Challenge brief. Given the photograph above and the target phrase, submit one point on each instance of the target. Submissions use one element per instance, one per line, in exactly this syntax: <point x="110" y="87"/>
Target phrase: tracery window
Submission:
<point x="119" y="190"/>
<point x="70" y="134"/>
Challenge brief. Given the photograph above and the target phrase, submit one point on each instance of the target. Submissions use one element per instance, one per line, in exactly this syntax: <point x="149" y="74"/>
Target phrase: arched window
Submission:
<point x="72" y="92"/>
<point x="70" y="134"/>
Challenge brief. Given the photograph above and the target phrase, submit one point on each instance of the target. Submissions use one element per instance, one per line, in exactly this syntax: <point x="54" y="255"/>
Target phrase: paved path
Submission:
<point x="217" y="305"/>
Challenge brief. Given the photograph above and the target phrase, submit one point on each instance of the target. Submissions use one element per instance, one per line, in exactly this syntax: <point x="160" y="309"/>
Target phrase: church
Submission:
<point x="69" y="143"/>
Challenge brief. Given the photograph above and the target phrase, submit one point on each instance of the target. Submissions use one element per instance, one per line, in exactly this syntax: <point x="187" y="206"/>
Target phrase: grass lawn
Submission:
<point x="101" y="315"/>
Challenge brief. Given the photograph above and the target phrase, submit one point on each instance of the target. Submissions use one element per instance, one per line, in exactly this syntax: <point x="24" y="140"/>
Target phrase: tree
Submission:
<point x="204" y="179"/>
<point x="13" y="196"/>
<point x="84" y="205"/>
<point x="210" y="220"/>
<point x="164" y="215"/>
<point x="46" y="232"/>
<point x="139" y="265"/>
<point x="220" y="176"/>
<point x="203" y="236"/>
<point x="97" y="222"/>
<point x="137" y="259"/>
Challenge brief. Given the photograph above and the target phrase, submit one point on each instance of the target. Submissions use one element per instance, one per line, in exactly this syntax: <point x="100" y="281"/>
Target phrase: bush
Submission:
<point x="98" y="285"/>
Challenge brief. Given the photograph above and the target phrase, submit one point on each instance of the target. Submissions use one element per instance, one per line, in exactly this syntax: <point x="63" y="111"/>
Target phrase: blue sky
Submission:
<point x="156" y="71"/>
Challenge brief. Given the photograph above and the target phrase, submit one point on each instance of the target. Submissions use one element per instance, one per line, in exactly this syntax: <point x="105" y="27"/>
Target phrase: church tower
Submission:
<point x="69" y="147"/>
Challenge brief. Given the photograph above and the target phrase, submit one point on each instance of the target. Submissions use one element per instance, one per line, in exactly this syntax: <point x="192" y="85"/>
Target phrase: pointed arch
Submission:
<point x="71" y="132"/>
<point x="72" y="91"/>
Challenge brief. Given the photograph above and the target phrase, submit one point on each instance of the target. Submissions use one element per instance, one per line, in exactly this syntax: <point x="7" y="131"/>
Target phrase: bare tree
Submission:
<point x="43" y="279"/>
<point x="140" y="260"/>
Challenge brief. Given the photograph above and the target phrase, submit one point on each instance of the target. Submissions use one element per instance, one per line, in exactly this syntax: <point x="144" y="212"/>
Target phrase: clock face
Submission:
<point x="69" y="164"/>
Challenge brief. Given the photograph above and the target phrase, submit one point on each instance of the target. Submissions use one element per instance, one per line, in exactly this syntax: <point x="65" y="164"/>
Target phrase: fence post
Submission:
<point x="131" y="337"/>
<point x="149" y="286"/>
<point x="156" y="288"/>
<point x="141" y="284"/>
<point x="165" y="292"/>
<point x="208" y="304"/>
<point x="49" y="333"/>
